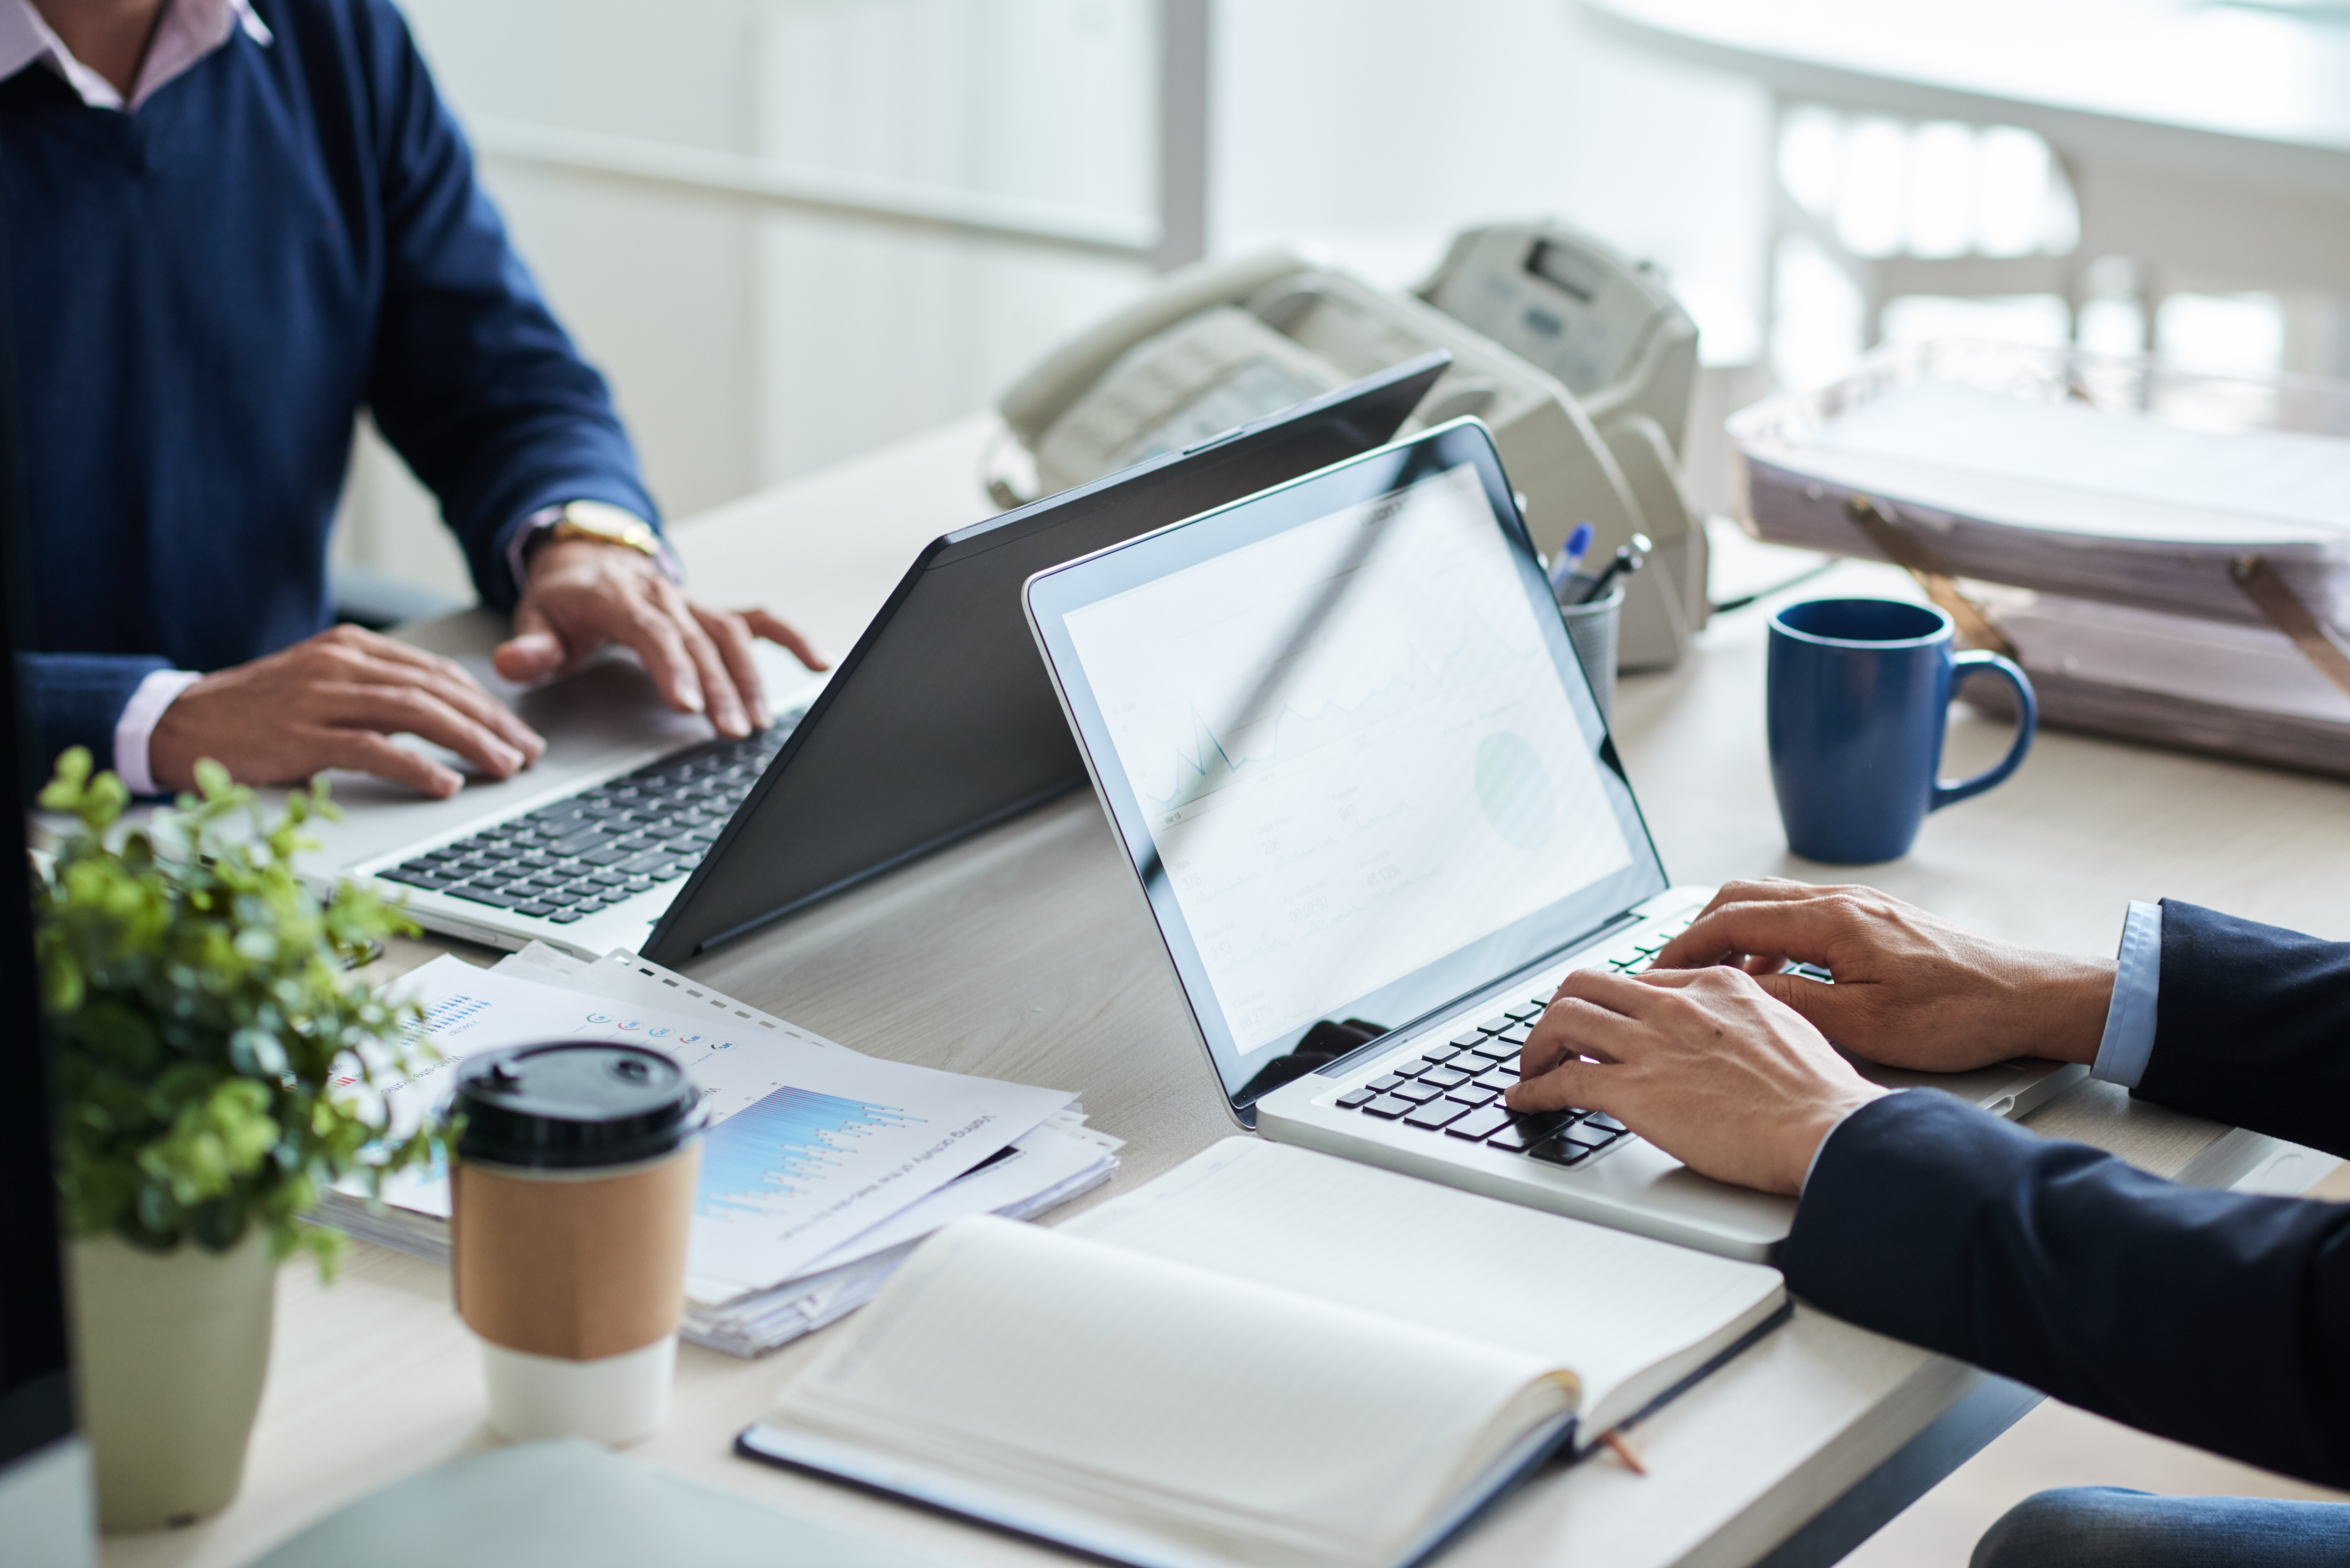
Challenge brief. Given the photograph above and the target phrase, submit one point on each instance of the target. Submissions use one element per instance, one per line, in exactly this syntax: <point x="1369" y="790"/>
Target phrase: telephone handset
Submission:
<point x="1219" y="344"/>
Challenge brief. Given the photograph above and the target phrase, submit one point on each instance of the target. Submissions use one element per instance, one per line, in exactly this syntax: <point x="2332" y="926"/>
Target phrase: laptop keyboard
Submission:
<point x="564" y="861"/>
<point x="1454" y="1089"/>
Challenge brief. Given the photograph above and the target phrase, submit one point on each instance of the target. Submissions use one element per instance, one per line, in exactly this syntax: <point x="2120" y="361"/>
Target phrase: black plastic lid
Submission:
<point x="572" y="1104"/>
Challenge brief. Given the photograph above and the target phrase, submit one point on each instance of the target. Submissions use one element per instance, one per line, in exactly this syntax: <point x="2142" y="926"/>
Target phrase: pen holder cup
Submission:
<point x="1592" y="629"/>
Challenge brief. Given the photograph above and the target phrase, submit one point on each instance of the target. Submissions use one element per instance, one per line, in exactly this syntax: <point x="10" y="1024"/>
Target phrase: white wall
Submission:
<point x="1381" y="126"/>
<point x="746" y="347"/>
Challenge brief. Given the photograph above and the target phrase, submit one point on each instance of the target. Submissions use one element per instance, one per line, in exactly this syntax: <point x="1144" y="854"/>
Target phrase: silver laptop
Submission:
<point x="1375" y="812"/>
<point x="636" y="830"/>
<point x="585" y="848"/>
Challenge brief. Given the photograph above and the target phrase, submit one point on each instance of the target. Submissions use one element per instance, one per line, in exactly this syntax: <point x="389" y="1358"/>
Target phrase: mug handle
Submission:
<point x="1976" y="661"/>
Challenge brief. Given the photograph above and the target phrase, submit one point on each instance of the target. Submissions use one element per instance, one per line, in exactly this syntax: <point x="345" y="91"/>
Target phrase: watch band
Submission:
<point x="605" y="523"/>
<point x="540" y="525"/>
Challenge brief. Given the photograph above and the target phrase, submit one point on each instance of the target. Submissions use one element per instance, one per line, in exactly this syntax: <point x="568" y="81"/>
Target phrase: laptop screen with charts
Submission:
<point x="1365" y="788"/>
<point x="1344" y="736"/>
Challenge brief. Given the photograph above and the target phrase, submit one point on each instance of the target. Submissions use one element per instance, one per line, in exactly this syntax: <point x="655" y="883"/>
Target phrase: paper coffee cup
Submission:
<point x="572" y="1198"/>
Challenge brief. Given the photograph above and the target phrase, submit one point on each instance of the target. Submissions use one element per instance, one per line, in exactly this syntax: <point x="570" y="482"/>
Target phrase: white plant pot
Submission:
<point x="171" y="1350"/>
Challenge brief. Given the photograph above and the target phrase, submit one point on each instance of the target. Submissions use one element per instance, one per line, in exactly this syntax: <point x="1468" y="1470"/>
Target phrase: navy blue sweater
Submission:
<point x="205" y="293"/>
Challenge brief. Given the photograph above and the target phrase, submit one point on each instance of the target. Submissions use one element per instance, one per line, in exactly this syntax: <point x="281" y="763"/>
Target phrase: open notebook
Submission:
<point x="1268" y="1356"/>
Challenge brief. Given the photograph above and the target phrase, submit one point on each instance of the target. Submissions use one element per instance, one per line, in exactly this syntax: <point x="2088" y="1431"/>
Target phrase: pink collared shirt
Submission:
<point x="186" y="32"/>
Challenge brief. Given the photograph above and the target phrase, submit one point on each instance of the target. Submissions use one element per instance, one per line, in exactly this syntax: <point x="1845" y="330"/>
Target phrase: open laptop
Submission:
<point x="1341" y="734"/>
<point x="636" y="830"/>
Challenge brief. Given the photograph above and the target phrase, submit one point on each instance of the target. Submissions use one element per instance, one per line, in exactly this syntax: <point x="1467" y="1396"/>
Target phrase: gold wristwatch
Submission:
<point x="605" y="523"/>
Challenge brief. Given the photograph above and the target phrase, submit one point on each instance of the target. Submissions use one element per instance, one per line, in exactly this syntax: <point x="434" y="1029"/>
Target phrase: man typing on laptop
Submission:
<point x="2219" y="1319"/>
<point x="235" y="225"/>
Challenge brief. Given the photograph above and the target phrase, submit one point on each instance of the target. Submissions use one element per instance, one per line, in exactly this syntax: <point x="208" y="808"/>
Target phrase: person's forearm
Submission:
<point x="2253" y="1027"/>
<point x="2217" y="1319"/>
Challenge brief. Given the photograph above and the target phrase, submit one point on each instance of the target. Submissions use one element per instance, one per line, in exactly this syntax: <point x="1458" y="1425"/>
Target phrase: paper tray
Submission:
<point x="2098" y="478"/>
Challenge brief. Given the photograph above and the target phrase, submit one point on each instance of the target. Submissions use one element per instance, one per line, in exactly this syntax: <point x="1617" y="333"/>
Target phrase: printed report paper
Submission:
<point x="813" y="1144"/>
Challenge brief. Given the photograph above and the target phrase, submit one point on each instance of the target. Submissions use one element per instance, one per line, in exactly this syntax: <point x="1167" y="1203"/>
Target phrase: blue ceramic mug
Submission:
<point x="1858" y="693"/>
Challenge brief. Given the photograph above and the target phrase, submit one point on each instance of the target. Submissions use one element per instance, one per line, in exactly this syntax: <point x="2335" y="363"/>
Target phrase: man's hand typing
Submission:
<point x="333" y="700"/>
<point x="1701" y="1063"/>
<point x="1911" y="988"/>
<point x="582" y="594"/>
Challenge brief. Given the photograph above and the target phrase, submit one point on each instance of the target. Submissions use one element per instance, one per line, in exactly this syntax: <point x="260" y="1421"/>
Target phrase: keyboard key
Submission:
<point x="564" y="917"/>
<point x="494" y="898"/>
<point x="610" y="854"/>
<point x="1528" y="1013"/>
<point x="1480" y="1125"/>
<point x="1604" y="1123"/>
<point x="418" y="878"/>
<point x="1355" y="1098"/>
<point x="1525" y="1132"/>
<point x="1470" y="1039"/>
<point x="1471" y="1095"/>
<point x="1494" y="1050"/>
<point x="1517" y="1036"/>
<point x="1442" y="1053"/>
<point x="1560" y="1151"/>
<point x="1416" y="1093"/>
<point x="1496" y="1023"/>
<point x="653" y="863"/>
<point x="1381" y="1086"/>
<point x="1496" y="1079"/>
<point x="1444" y="1077"/>
<point x="1435" y="1114"/>
<point x="535" y="911"/>
<point x="1387" y="1107"/>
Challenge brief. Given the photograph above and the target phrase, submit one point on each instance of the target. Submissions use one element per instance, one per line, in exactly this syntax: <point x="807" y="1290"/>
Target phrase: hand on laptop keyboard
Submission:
<point x="566" y="861"/>
<point x="1911" y="988"/>
<point x="581" y="593"/>
<point x="1701" y="1063"/>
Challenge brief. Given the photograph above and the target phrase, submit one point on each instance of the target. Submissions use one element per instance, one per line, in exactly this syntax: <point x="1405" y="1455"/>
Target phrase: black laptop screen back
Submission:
<point x="941" y="721"/>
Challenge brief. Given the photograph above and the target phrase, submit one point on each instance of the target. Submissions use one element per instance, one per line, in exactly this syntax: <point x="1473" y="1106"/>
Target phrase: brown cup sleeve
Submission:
<point x="578" y="1268"/>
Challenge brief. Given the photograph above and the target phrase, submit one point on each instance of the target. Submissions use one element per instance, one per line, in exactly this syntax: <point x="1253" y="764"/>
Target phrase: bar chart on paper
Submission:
<point x="782" y="1149"/>
<point x="808" y="1145"/>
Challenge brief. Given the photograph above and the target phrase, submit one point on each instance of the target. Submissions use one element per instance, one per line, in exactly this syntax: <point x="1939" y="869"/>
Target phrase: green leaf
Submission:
<point x="195" y="1002"/>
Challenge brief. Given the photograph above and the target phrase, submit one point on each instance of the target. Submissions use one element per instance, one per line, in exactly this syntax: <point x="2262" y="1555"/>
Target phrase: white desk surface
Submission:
<point x="2222" y="86"/>
<point x="1023" y="954"/>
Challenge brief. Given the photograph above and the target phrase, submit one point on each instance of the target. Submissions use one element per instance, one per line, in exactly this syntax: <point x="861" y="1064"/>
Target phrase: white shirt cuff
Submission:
<point x="545" y="518"/>
<point x="2128" y="1040"/>
<point x="137" y="727"/>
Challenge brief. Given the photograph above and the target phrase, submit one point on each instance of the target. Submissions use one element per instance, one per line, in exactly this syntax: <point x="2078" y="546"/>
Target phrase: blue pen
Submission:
<point x="1570" y="559"/>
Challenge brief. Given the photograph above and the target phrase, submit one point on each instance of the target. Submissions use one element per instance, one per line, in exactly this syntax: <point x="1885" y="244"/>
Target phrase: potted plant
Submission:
<point x="212" y="1058"/>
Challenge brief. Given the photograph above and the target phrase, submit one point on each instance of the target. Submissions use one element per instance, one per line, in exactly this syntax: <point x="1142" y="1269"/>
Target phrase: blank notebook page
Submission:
<point x="1074" y="1372"/>
<point x="1606" y="1303"/>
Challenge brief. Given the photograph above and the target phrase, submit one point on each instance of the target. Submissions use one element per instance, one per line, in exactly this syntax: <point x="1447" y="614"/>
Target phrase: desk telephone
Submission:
<point x="1577" y="359"/>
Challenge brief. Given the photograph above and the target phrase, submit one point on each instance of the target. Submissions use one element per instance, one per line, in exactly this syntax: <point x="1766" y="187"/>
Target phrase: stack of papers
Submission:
<point x="823" y="1166"/>
<point x="2117" y="495"/>
<point x="2058" y="497"/>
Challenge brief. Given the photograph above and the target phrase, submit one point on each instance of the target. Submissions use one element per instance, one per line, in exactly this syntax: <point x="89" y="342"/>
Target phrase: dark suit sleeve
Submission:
<point x="75" y="700"/>
<point x="2253" y="1027"/>
<point x="2214" y="1318"/>
<point x="473" y="381"/>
